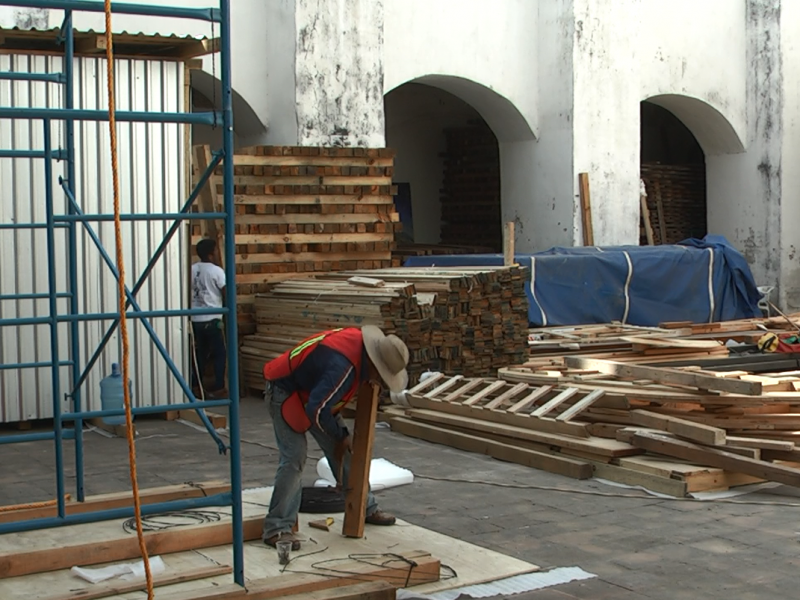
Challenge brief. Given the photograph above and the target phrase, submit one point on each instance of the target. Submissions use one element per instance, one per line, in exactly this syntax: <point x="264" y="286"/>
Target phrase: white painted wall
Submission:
<point x="560" y="83"/>
<point x="790" y="176"/>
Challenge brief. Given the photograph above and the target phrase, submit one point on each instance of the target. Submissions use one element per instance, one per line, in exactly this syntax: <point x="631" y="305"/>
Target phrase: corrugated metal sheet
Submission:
<point x="152" y="179"/>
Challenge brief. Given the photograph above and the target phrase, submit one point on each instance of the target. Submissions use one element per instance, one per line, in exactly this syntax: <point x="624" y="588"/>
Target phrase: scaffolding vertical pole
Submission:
<point x="72" y="232"/>
<point x="230" y="291"/>
<point x="53" y="300"/>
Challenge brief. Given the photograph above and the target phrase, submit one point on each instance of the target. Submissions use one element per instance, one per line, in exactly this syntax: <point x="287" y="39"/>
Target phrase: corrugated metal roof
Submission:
<point x="90" y="42"/>
<point x="138" y="34"/>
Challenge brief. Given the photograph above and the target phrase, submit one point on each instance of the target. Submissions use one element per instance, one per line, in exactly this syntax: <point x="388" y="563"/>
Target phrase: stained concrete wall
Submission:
<point x="790" y="157"/>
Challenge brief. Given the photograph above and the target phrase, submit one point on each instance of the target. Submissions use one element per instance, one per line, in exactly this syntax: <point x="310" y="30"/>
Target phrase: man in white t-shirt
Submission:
<point x="208" y="290"/>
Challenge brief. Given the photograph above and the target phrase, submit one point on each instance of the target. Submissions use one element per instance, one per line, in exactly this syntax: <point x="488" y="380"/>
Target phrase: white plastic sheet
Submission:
<point x="125" y="571"/>
<point x="382" y="475"/>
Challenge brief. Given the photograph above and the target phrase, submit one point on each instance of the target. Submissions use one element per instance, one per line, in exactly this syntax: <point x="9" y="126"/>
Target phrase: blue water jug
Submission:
<point x="112" y="395"/>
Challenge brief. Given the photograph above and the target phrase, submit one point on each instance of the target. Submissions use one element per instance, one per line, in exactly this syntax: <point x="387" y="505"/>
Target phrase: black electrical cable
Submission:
<point x="170" y="520"/>
<point x="366" y="559"/>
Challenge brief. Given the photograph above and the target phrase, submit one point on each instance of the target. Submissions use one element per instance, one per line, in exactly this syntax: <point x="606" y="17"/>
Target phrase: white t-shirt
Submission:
<point x="207" y="283"/>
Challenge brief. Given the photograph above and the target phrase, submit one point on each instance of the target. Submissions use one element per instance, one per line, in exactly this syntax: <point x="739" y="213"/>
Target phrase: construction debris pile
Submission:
<point x="459" y="321"/>
<point x="672" y="409"/>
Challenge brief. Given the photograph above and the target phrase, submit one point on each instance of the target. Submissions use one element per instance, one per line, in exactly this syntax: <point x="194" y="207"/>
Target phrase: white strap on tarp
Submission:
<point x="627" y="288"/>
<point x="711" y="299"/>
<point x="533" y="291"/>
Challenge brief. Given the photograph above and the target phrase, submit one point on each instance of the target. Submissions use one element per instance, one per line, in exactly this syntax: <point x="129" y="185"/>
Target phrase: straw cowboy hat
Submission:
<point x="389" y="355"/>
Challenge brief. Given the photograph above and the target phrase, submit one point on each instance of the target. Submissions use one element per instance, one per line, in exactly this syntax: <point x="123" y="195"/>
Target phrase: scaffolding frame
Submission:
<point x="71" y="218"/>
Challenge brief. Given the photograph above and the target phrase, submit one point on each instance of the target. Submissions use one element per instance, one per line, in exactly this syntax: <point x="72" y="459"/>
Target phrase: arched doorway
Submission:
<point x="448" y="134"/>
<point x="673" y="170"/>
<point x="679" y="134"/>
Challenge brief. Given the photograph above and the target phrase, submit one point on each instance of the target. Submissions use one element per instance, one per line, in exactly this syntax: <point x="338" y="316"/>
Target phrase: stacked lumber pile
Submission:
<point x="308" y="210"/>
<point x="644" y="418"/>
<point x="458" y="321"/>
<point x="676" y="199"/>
<point x="403" y="251"/>
<point x="554" y="341"/>
<point x="471" y="188"/>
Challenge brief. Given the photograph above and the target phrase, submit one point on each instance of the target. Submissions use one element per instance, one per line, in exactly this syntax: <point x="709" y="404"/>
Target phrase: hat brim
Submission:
<point x="372" y="336"/>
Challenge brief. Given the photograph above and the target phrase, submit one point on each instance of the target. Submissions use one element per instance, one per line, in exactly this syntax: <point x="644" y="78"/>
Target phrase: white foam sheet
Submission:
<point x="509" y="586"/>
<point x="382" y="475"/>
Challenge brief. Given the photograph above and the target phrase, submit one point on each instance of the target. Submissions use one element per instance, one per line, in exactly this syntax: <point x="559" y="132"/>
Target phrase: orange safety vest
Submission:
<point x="347" y="341"/>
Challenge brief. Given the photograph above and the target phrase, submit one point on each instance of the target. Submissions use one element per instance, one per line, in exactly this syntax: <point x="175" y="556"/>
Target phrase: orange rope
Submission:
<point x="45" y="504"/>
<point x="123" y="322"/>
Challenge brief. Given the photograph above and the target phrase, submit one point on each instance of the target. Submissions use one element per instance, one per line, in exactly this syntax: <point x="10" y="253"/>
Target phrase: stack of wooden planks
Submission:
<point x="465" y="321"/>
<point x="644" y="418"/>
<point x="676" y="201"/>
<point x="307" y="210"/>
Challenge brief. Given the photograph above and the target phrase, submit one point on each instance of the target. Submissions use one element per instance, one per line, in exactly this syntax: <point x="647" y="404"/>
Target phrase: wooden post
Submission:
<point x="662" y="225"/>
<point x="508" y="244"/>
<point x="586" y="209"/>
<point x="358" y="479"/>
<point x="207" y="200"/>
<point x="648" y="226"/>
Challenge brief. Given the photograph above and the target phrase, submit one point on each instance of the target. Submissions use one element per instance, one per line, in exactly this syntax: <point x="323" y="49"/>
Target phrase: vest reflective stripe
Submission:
<point x="310" y="342"/>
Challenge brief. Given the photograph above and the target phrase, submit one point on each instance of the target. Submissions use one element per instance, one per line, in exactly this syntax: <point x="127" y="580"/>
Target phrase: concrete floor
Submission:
<point x="639" y="547"/>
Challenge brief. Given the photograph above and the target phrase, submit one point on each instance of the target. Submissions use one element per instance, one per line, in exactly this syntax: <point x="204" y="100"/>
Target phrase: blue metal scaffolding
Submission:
<point x="74" y="217"/>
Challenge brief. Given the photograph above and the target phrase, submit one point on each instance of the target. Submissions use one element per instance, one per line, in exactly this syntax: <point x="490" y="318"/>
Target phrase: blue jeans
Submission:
<point x="293" y="448"/>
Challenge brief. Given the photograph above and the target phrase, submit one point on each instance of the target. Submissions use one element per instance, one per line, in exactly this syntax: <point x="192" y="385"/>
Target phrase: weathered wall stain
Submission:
<point x="765" y="115"/>
<point x="339" y="72"/>
<point x="32" y="18"/>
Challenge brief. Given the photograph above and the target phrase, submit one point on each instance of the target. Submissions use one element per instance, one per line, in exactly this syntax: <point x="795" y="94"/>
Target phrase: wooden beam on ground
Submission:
<point x="711" y="436"/>
<point x="118" y="589"/>
<point x="665" y="376"/>
<point x="586" y="209"/>
<point x="358" y="478"/>
<point x="398" y="573"/>
<point x="500" y="416"/>
<point x="569" y="467"/>
<point x="369" y="590"/>
<point x="230" y="591"/>
<point x="15" y="564"/>
<point x="714" y="457"/>
<point x="121" y="499"/>
<point x="508" y="244"/>
<point x="596" y="446"/>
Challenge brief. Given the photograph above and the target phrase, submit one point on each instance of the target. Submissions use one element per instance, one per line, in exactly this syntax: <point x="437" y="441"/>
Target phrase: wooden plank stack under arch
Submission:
<point x="306" y="210"/>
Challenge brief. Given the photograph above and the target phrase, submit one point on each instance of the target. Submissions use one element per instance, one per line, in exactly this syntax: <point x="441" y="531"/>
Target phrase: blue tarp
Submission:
<point x="696" y="280"/>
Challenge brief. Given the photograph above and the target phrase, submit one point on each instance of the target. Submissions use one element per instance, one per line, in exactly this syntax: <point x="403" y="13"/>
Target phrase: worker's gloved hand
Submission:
<point x="342" y="447"/>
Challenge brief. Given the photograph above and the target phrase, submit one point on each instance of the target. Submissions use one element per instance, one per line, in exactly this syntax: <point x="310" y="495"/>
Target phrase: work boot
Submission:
<point x="283" y="537"/>
<point x="380" y="517"/>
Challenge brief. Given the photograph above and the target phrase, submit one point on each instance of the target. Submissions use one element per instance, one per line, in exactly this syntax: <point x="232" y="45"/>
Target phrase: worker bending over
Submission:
<point x="306" y="388"/>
